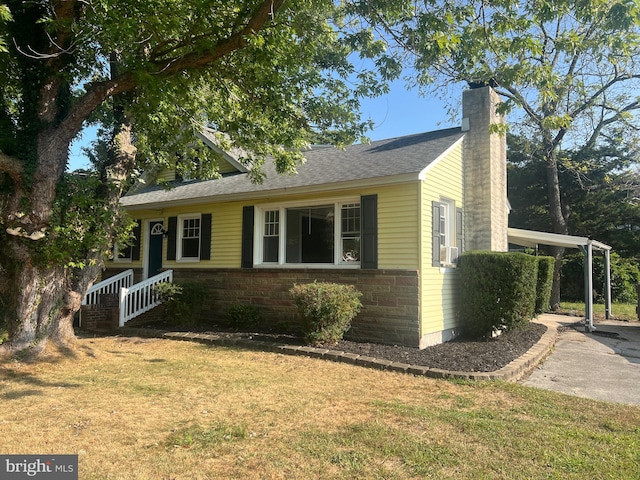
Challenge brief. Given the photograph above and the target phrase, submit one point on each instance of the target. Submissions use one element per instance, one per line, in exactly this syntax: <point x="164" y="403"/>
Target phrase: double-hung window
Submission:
<point x="189" y="237"/>
<point x="350" y="232"/>
<point x="325" y="234"/>
<point x="447" y="232"/>
<point x="271" y="236"/>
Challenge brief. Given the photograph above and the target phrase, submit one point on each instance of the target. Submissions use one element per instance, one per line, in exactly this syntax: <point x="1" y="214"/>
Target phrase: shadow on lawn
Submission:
<point x="27" y="379"/>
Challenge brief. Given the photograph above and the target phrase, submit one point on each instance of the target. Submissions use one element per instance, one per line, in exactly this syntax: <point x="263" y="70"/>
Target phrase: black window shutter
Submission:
<point x="135" y="246"/>
<point x="205" y="236"/>
<point x="247" y="237"/>
<point x="171" y="239"/>
<point x="435" y="233"/>
<point x="369" y="246"/>
<point x="459" y="230"/>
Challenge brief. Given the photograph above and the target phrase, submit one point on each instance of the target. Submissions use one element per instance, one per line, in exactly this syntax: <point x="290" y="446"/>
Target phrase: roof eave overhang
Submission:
<point x="277" y="192"/>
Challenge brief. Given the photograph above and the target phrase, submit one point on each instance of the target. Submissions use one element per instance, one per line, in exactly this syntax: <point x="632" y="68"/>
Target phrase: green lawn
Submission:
<point x="620" y="311"/>
<point x="161" y="409"/>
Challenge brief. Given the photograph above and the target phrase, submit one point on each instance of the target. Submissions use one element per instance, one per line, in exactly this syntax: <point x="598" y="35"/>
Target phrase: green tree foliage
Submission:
<point x="601" y="192"/>
<point x="5" y="16"/>
<point x="271" y="76"/>
<point x="569" y="71"/>
<point x="625" y="276"/>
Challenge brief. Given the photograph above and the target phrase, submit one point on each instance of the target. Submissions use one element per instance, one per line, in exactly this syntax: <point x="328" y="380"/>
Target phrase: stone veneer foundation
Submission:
<point x="389" y="297"/>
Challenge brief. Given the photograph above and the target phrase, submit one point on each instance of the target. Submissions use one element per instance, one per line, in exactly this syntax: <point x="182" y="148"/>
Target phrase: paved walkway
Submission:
<point x="603" y="365"/>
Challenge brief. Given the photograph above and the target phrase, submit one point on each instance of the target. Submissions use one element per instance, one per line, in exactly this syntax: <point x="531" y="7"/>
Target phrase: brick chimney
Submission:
<point x="485" y="172"/>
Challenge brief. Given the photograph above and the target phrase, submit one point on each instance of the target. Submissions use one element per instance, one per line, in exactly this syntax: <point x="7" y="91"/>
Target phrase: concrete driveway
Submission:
<point x="603" y="365"/>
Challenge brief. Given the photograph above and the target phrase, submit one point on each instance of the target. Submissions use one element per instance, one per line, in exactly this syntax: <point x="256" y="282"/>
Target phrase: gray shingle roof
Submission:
<point x="324" y="166"/>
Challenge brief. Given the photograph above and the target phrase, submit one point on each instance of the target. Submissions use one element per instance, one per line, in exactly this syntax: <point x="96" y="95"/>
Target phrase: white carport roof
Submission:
<point x="531" y="238"/>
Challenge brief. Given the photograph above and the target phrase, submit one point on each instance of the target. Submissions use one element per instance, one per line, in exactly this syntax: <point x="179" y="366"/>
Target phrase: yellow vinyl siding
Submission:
<point x="141" y="216"/>
<point x="398" y="226"/>
<point x="225" y="167"/>
<point x="166" y="175"/>
<point x="437" y="286"/>
<point x="226" y="236"/>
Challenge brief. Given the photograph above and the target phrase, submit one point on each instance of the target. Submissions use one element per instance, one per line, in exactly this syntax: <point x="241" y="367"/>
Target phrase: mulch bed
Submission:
<point x="462" y="355"/>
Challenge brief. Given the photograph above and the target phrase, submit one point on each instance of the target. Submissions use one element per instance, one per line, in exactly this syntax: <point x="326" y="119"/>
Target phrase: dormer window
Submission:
<point x="188" y="168"/>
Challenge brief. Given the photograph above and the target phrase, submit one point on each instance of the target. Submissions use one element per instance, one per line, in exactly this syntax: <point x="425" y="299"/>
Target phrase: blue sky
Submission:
<point x="404" y="112"/>
<point x="400" y="112"/>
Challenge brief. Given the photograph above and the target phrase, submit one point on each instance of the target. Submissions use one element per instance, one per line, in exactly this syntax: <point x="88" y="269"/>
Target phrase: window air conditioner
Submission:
<point x="451" y="255"/>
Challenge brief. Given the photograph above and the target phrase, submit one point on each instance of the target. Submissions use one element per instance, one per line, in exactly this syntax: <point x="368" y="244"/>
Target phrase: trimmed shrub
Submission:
<point x="244" y="315"/>
<point x="167" y="291"/>
<point x="497" y="291"/>
<point x="327" y="310"/>
<point x="182" y="302"/>
<point x="625" y="275"/>
<point x="544" y="284"/>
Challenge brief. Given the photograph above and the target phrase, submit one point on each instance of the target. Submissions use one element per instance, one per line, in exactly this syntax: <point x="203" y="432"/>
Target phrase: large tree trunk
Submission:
<point x="39" y="300"/>
<point x="558" y="221"/>
<point x="33" y="294"/>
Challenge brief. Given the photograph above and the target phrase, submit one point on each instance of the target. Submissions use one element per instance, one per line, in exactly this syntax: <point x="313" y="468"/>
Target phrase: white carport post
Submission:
<point x="607" y="285"/>
<point x="588" y="286"/>
<point x="531" y="238"/>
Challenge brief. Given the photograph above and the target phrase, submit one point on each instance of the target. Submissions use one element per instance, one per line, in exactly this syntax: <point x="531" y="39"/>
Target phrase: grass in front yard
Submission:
<point x="620" y="311"/>
<point x="160" y="409"/>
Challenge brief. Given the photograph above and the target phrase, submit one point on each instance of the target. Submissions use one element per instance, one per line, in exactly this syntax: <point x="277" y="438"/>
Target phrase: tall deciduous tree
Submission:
<point x="272" y="75"/>
<point x="569" y="71"/>
<point x="599" y="187"/>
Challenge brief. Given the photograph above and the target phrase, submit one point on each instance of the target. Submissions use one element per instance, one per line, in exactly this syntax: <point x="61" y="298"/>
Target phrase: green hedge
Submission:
<point x="545" y="282"/>
<point x="242" y="315"/>
<point x="182" y="302"/>
<point x="497" y="291"/>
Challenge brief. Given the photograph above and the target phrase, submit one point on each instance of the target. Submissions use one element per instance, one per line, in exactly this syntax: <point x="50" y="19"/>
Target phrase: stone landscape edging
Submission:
<point x="512" y="372"/>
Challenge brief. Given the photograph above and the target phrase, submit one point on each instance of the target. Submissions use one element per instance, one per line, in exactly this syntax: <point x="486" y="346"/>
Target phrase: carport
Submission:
<point x="531" y="238"/>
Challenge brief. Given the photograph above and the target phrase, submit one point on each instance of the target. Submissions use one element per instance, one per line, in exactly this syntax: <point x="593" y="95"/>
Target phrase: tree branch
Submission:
<point x="99" y="91"/>
<point x="608" y="121"/>
<point x="12" y="167"/>
<point x="589" y="102"/>
<point x="510" y="92"/>
<point x="235" y="42"/>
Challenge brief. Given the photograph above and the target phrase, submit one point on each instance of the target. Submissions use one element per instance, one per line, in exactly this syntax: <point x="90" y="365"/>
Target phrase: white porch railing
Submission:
<point x="141" y="297"/>
<point x="110" y="285"/>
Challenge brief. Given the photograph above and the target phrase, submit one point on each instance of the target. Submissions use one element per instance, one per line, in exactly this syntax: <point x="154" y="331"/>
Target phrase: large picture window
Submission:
<point x="310" y="234"/>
